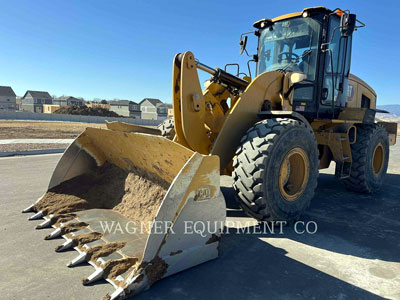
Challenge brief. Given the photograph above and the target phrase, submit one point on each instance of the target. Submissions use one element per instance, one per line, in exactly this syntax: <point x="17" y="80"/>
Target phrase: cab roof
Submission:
<point x="308" y="10"/>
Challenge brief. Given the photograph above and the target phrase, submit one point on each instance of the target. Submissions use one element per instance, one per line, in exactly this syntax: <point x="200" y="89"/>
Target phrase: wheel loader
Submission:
<point x="271" y="132"/>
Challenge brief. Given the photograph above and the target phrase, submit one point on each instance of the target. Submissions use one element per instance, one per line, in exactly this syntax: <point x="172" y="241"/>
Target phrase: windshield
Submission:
<point x="287" y="44"/>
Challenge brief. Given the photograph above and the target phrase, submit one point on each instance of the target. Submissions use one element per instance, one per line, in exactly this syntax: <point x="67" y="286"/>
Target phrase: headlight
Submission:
<point x="297" y="77"/>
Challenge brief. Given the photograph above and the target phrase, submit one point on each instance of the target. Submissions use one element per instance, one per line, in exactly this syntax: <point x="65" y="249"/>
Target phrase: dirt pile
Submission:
<point x="136" y="195"/>
<point x="87" y="111"/>
<point x="103" y="250"/>
<point x="117" y="267"/>
<point x="142" y="197"/>
<point x="156" y="270"/>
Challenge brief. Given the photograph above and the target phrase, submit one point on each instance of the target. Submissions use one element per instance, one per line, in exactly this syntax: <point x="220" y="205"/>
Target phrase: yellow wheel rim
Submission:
<point x="294" y="173"/>
<point x="378" y="159"/>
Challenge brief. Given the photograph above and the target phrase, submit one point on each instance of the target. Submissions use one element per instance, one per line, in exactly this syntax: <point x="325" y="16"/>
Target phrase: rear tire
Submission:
<point x="276" y="169"/>
<point x="167" y="129"/>
<point x="370" y="156"/>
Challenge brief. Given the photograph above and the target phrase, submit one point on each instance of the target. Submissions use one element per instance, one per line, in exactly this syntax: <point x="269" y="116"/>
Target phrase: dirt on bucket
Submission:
<point x="136" y="194"/>
<point x="117" y="267"/>
<point x="81" y="239"/>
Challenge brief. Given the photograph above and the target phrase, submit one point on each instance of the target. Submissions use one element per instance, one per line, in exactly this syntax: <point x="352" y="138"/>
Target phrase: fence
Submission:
<point x="23" y="115"/>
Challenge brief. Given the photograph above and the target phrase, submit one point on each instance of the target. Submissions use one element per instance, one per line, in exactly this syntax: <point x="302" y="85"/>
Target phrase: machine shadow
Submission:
<point x="362" y="225"/>
<point x="250" y="268"/>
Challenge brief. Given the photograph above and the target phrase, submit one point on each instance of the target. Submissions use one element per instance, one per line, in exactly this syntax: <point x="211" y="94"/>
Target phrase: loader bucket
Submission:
<point x="129" y="203"/>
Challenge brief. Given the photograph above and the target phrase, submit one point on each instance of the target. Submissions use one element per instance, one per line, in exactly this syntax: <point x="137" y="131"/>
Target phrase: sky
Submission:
<point x="124" y="49"/>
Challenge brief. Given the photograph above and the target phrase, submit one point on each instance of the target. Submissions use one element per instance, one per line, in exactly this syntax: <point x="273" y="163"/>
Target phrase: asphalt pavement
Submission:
<point x="354" y="253"/>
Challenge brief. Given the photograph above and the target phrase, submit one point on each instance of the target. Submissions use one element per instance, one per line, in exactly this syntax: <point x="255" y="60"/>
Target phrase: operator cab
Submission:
<point x="289" y="45"/>
<point x="317" y="44"/>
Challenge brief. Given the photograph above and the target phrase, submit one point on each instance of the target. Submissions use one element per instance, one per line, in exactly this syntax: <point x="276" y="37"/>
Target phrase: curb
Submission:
<point x="32" y="152"/>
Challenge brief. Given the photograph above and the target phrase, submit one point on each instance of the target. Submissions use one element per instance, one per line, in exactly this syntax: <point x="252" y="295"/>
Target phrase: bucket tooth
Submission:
<point x="29" y="208"/>
<point x="36" y="216"/>
<point x="54" y="234"/>
<point x="77" y="260"/>
<point x="45" y="224"/>
<point x="118" y="294"/>
<point x="69" y="243"/>
<point x="76" y="239"/>
<point x="96" y="275"/>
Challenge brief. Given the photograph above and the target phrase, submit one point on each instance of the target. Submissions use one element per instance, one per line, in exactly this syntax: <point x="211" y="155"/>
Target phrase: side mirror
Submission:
<point x="347" y="24"/>
<point x="243" y="43"/>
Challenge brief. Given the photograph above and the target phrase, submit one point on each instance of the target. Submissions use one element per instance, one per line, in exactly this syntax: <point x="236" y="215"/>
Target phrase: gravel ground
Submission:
<point x="48" y="130"/>
<point x="25" y="147"/>
<point x="44" y="130"/>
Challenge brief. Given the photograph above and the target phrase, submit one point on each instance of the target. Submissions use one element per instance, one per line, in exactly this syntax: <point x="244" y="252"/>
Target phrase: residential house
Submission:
<point x="134" y="110"/>
<point x="50" y="108"/>
<point x="125" y="108"/>
<point x="68" y="101"/>
<point x="33" y="101"/>
<point x="7" y="99"/>
<point x="148" y="107"/>
<point x="162" y="110"/>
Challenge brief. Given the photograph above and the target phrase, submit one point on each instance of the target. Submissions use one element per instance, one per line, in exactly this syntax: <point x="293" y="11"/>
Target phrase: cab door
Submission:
<point x="336" y="69"/>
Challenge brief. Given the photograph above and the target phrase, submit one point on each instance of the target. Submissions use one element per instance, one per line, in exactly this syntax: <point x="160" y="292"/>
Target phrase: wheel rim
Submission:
<point x="377" y="159"/>
<point x="294" y="174"/>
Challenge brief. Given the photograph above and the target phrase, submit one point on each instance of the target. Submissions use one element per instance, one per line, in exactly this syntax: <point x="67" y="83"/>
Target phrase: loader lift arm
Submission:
<point x="203" y="120"/>
<point x="199" y="115"/>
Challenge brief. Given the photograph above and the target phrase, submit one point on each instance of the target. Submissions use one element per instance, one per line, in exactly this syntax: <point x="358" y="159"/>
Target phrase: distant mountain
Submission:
<point x="394" y="110"/>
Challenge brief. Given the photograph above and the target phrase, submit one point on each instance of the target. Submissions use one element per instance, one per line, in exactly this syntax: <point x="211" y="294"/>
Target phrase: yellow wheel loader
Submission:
<point x="272" y="133"/>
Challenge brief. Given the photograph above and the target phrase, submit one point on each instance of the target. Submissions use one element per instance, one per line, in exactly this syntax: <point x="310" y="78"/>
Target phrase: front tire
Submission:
<point x="370" y="154"/>
<point x="276" y="169"/>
